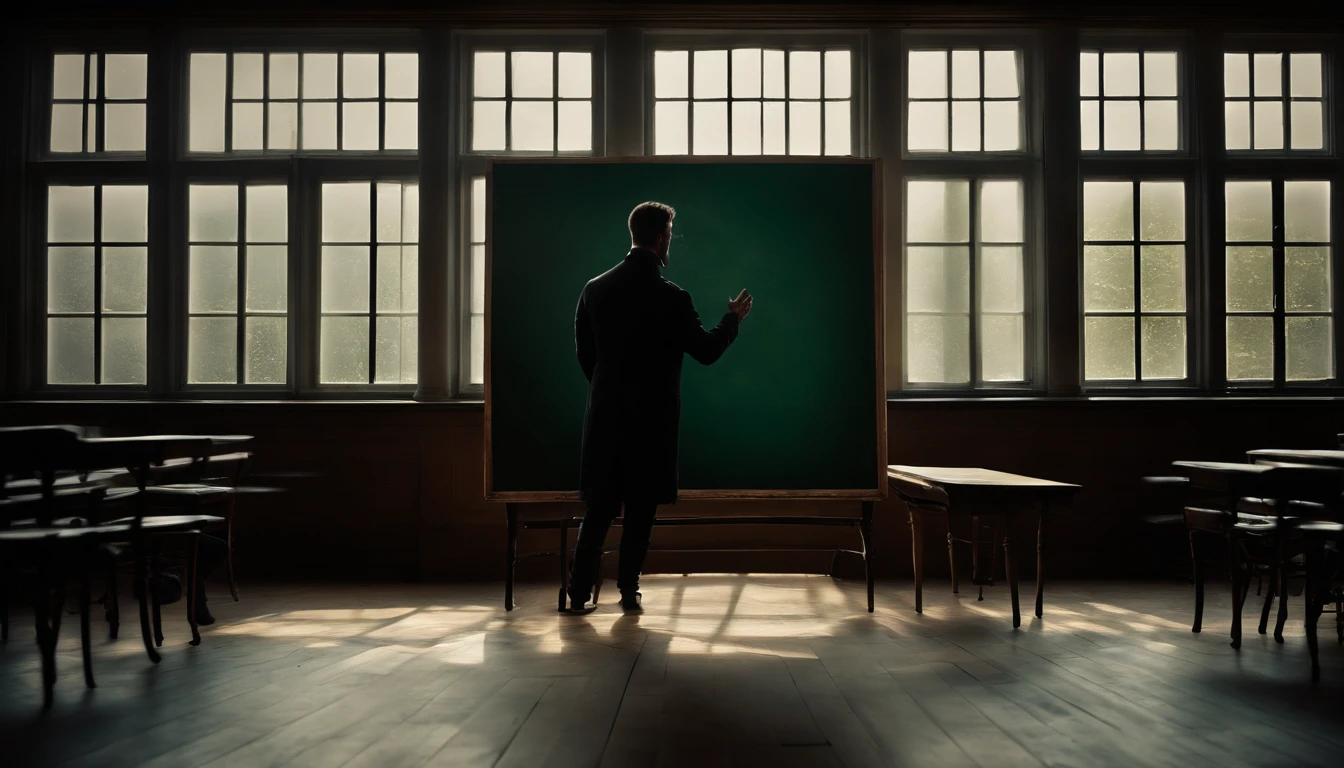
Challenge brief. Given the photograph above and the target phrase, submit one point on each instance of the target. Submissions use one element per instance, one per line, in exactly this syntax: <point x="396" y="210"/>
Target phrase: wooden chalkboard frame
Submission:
<point x="876" y="493"/>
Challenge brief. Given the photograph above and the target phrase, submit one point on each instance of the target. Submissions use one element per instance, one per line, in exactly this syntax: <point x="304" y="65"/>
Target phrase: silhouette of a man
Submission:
<point x="631" y="329"/>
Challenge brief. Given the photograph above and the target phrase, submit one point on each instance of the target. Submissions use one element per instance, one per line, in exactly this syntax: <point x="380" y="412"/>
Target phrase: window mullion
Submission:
<point x="1280" y="340"/>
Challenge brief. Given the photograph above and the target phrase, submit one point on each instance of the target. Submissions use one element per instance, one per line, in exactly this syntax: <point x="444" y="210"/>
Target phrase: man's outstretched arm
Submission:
<point x="706" y="346"/>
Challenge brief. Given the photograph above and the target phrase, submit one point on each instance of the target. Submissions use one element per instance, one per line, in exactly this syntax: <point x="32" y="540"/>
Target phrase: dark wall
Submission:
<point x="399" y="488"/>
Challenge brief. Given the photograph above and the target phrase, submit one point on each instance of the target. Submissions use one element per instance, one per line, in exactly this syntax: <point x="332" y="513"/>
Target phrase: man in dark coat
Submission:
<point x="631" y="329"/>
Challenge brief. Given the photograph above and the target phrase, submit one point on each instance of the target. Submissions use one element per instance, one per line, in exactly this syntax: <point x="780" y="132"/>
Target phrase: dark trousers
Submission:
<point x="636" y="531"/>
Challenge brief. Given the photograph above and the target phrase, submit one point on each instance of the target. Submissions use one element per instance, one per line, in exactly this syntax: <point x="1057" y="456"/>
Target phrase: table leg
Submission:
<point x="917" y="553"/>
<point x="1315" y="553"/>
<point x="190" y="588"/>
<point x="510" y="553"/>
<point x="866" y="531"/>
<point x="85" y="645"/>
<point x="951" y="553"/>
<point x="975" y="556"/>
<point x="1198" y="572"/>
<point x="1234" y="564"/>
<point x="1010" y="566"/>
<point x="1040" y="561"/>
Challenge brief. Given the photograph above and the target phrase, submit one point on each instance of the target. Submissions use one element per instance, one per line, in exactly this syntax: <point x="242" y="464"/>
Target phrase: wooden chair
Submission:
<point x="1324" y="545"/>
<point x="200" y="486"/>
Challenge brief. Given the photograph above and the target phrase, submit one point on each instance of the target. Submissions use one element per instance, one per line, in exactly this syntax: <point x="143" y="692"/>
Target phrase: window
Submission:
<point x="369" y="277"/>
<point x="753" y="101"/>
<point x="238" y="288"/>
<point x="1270" y="96"/>
<point x="532" y="101"/>
<point x="98" y="102"/>
<point x="286" y="101"/>
<point x="1130" y="100"/>
<point x="97" y="263"/>
<point x="1280" y="321"/>
<point x="963" y="100"/>
<point x="965" y="299"/>
<point x="476" y="316"/>
<point x="1134" y="286"/>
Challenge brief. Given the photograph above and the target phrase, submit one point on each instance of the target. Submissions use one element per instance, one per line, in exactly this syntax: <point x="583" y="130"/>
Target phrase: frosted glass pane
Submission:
<point x="1003" y="128"/>
<point x="838" y="128"/>
<point x="1162" y="278"/>
<point x="747" y="127"/>
<point x="746" y="64"/>
<point x="360" y="77"/>
<point x="533" y="125"/>
<point x="1268" y="74"/>
<point x="487" y="125"/>
<point x="1001" y="279"/>
<point x="212" y="350"/>
<point x="669" y="128"/>
<point x="965" y="126"/>
<point x="804" y="128"/>
<point x="927" y="130"/>
<point x="1307" y="125"/>
<point x="249" y="76"/>
<point x="1306" y="211"/>
<point x="488" y="74"/>
<point x="1236" y="74"/>
<point x="1308" y="348"/>
<point x="476" y="372"/>
<point x="1159" y="73"/>
<point x="67" y="76"/>
<point x="67" y="127"/>
<point x="395" y="351"/>
<point x="319" y="75"/>
<point x="1250" y="348"/>
<point x="837" y="75"/>
<point x="1237" y="125"/>
<point x="1163" y="348"/>
<point x="1248" y="210"/>
<point x="123" y="351"/>
<point x="1109" y="348"/>
<point x="1162" y="210"/>
<point x="205" y="122"/>
<point x="267" y="278"/>
<point x="710" y="127"/>
<point x="388" y="212"/>
<point x="283" y="131"/>
<point x="804" y="74"/>
<point x="69" y="214"/>
<point x="285" y="76"/>
<point x="937" y="279"/>
<point x="125" y="75"/>
<point x="1304" y="74"/>
<point x="711" y="75"/>
<point x="1091" y="125"/>
<point x="125" y="214"/>
<point x="125" y="275"/>
<point x="1268" y="125"/>
<point x="1001" y="211"/>
<point x="401" y="75"/>
<point x="1306" y="277"/>
<point x="345" y="278"/>
<point x="670" y="79"/>
<point x="1001" y="75"/>
<point x="1089" y="73"/>
<point x="575" y="132"/>
<point x="937" y="211"/>
<point x="402" y="127"/>
<point x="1121" y="125"/>
<point x="267" y="214"/>
<point x="1108" y="278"/>
<point x="532" y="74"/>
<point x="477" y="279"/>
<point x="212" y="277"/>
<point x="1120" y="74"/>
<point x="124" y="129"/>
<point x="359" y="125"/>
<point x="69" y="350"/>
<point x="70" y="279"/>
<point x="319" y="125"/>
<point x="965" y="74"/>
<point x="928" y="75"/>
<point x="345" y="212"/>
<point x="575" y="75"/>
<point x="1250" y="278"/>
<point x="248" y="126"/>
<point x="212" y="213"/>
<point x="1161" y="125"/>
<point x="264" y="345"/>
<point x="344" y="355"/>
<point x="1001" y="348"/>
<point x="410" y="278"/>
<point x="1108" y="210"/>
<point x="773" y="128"/>
<point x="938" y="349"/>
<point x="772" y="74"/>
<point x="478" y="209"/>
<point x="389" y="286"/>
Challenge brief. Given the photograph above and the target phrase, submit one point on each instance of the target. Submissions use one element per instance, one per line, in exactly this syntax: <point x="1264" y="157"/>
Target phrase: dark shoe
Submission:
<point x="632" y="602"/>
<point x="580" y="604"/>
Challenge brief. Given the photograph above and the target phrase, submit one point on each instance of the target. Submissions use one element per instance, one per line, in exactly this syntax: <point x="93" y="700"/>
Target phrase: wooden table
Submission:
<point x="1293" y="456"/>
<point x="978" y="493"/>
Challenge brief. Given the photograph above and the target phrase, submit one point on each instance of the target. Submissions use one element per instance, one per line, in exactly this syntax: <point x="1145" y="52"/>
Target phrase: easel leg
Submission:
<point x="1040" y="561"/>
<point x="866" y="531"/>
<point x="1010" y="566"/>
<point x="917" y="552"/>
<point x="510" y="553"/>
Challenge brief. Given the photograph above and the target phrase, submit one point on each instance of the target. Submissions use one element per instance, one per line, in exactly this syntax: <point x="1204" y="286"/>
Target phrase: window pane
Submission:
<point x="772" y="126"/>
<point x="285" y="76"/>
<point x="1162" y="278"/>
<point x="487" y="125"/>
<point x="319" y="125"/>
<point x="389" y="283"/>
<point x="360" y="76"/>
<point x="938" y="349"/>
<point x="67" y="76"/>
<point x="1091" y="125"/>
<point x="212" y="213"/>
<point x="124" y="350"/>
<point x="344" y="357"/>
<point x="345" y="278"/>
<point x="1001" y="74"/>
<point x="965" y="74"/>
<point x="206" y="110"/>
<point x="1163" y="348"/>
<point x="804" y="128"/>
<point x="747" y="127"/>
<point x="247" y="126"/>
<point x="927" y="129"/>
<point x="1089" y="73"/>
<point x="711" y="74"/>
<point x="1306" y="211"/>
<point x="837" y="75"/>
<point x="747" y="73"/>
<point x="928" y="75"/>
<point x="1236" y="74"/>
<point x="1001" y="280"/>
<point x="1001" y="211"/>
<point x="478" y="209"/>
<point x="532" y="126"/>
<point x="1162" y="210"/>
<point x="125" y="214"/>
<point x="1002" y="356"/>
<point x="772" y="74"/>
<point x="476" y="371"/>
<point x="1250" y="278"/>
<point x="401" y="75"/>
<point x="124" y="130"/>
<point x="402" y="125"/>
<point x="1304" y="73"/>
<point x="1306" y="277"/>
<point x="1120" y="74"/>
<point x="1109" y="346"/>
<point x="1108" y="278"/>
<point x="1307" y="124"/>
<point x="1250" y="348"/>
<point x="396" y="350"/>
<point x="359" y="125"/>
<point x="69" y="214"/>
<point x="1268" y="124"/>
<point x="1308" y="349"/>
<point x="837" y="128"/>
<point x="532" y="74"/>
<point x="212" y="350"/>
<point x="319" y="76"/>
<point x="576" y="126"/>
<point x="1237" y="125"/>
<point x="477" y="279"/>
<point x="1159" y="73"/>
<point x="283" y="132"/>
<point x="1108" y="210"/>
<point x="345" y="212"/>
<point x="67" y="127"/>
<point x="575" y="75"/>
<point x="267" y="214"/>
<point x="937" y="279"/>
<point x="388" y="215"/>
<point x="1248" y="211"/>
<point x="670" y="78"/>
<point x="711" y="127"/>
<point x="1161" y="125"/>
<point x="265" y="361"/>
<point x="267" y="278"/>
<point x="1268" y="74"/>
<point x="125" y="275"/>
<point x="70" y="279"/>
<point x="1122" y="125"/>
<point x="965" y="126"/>
<point x="212" y="278"/>
<point x="1002" y="126"/>
<point x="937" y="211"/>
<point x="804" y="74"/>
<point x="69" y="350"/>
<point x="488" y="74"/>
<point x="669" y="128"/>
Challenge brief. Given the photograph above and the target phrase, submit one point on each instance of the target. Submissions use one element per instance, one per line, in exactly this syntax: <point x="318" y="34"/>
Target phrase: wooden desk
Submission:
<point x="1292" y="456"/>
<point x="978" y="493"/>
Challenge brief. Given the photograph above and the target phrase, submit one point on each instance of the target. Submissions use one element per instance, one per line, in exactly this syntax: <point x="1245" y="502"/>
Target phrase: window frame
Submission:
<point x="1186" y="98"/>
<point x="1252" y="44"/>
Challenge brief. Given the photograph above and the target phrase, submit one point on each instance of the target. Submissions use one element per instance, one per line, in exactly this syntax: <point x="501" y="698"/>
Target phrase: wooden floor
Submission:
<point x="720" y="670"/>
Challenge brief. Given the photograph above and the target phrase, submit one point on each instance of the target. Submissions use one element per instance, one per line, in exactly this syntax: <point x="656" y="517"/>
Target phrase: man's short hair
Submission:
<point x="649" y="221"/>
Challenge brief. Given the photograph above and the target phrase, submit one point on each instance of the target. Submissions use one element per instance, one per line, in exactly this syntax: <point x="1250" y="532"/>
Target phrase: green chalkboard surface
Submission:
<point x="794" y="409"/>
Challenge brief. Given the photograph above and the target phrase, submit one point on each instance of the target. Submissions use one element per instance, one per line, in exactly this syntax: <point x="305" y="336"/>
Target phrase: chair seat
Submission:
<point x="183" y="494"/>
<point x="172" y="523"/>
<point x="20" y="535"/>
<point x="1322" y="528"/>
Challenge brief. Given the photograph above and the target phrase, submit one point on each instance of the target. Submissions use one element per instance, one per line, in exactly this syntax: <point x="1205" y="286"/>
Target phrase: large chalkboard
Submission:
<point x="800" y="392"/>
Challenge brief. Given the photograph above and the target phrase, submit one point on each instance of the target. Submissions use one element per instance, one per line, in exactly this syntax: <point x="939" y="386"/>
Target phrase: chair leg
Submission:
<point x="917" y="554"/>
<point x="228" y="556"/>
<point x="1269" y="602"/>
<point x="1281" y="575"/>
<point x="190" y="589"/>
<point x="952" y="554"/>
<point x="1198" y="573"/>
<point x="1040" y="562"/>
<point x="154" y="599"/>
<point x="4" y="609"/>
<point x="86" y="646"/>
<point x="113" y="605"/>
<point x="1010" y="569"/>
<point x="1315" y="553"/>
<point x="1238" y="594"/>
<point x="46" y="640"/>
<point x="1339" y="622"/>
<point x="141" y="578"/>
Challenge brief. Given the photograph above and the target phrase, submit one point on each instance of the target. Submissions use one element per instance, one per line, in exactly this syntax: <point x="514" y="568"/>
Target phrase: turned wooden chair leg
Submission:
<point x="1198" y="573"/>
<point x="112" y="607"/>
<point x="952" y="554"/>
<point x="190" y="588"/>
<point x="1010" y="570"/>
<point x="142" y="578"/>
<point x="1281" y="576"/>
<point x="1269" y="602"/>
<point x="85" y="644"/>
<point x="1238" y="593"/>
<point x="155" y="607"/>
